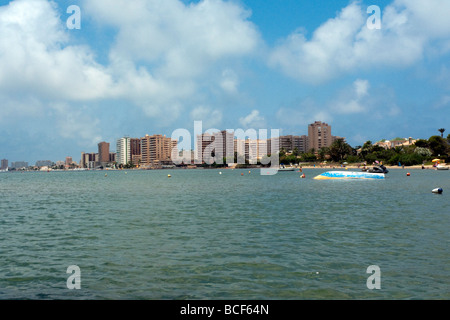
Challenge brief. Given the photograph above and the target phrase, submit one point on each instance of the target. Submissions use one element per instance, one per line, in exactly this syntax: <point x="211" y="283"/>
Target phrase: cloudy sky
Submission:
<point x="152" y="66"/>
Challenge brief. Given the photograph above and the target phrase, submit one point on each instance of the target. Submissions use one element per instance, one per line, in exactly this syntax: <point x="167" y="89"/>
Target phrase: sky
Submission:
<point x="131" y="68"/>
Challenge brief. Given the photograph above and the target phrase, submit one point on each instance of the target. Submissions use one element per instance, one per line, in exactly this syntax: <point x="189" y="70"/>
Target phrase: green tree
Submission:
<point x="308" y="157"/>
<point x="438" y="145"/>
<point x="441" y="130"/>
<point x="323" y="152"/>
<point x="425" y="152"/>
<point x="339" y="149"/>
<point x="366" y="149"/>
<point x="129" y="165"/>
<point x="422" y="143"/>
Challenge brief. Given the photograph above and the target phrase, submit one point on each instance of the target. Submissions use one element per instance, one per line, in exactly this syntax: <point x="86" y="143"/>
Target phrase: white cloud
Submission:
<point x="210" y="118"/>
<point x="253" y="120"/>
<point x="361" y="88"/>
<point x="229" y="82"/>
<point x="307" y="112"/>
<point x="35" y="56"/>
<point x="163" y="54"/>
<point x="179" y="41"/>
<point x="77" y="124"/>
<point x="353" y="101"/>
<point x="345" y="44"/>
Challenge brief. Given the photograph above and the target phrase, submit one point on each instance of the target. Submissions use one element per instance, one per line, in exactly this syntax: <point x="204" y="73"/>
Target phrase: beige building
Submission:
<point x="213" y="147"/>
<point x="156" y="149"/>
<point x="319" y="136"/>
<point x="4" y="164"/>
<point x="290" y="143"/>
<point x="89" y="160"/>
<point x="398" y="142"/>
<point x="68" y="161"/>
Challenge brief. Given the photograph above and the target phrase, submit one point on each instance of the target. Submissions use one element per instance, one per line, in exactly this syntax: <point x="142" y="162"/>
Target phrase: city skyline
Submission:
<point x="250" y="144"/>
<point x="231" y="64"/>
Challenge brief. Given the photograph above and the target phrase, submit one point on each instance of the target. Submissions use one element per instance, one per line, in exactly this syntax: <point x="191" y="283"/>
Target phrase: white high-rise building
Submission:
<point x="123" y="150"/>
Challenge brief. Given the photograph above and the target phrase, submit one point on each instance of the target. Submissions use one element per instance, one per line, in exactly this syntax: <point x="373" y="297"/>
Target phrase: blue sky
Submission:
<point x="150" y="67"/>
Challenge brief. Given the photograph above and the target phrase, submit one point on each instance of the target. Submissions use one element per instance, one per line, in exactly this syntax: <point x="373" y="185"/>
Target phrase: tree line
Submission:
<point x="420" y="152"/>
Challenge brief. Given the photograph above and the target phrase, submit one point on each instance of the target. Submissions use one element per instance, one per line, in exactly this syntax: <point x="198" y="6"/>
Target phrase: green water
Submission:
<point x="205" y="235"/>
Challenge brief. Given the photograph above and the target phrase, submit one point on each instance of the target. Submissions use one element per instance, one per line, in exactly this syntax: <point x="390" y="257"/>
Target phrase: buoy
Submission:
<point x="220" y="172"/>
<point x="408" y="174"/>
<point x="106" y="174"/>
<point x="249" y="172"/>
<point x="303" y="176"/>
<point x="437" y="190"/>
<point x="169" y="176"/>
<point x="242" y="174"/>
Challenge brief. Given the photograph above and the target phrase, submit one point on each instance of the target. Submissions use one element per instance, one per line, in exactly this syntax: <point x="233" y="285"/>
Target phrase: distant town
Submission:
<point x="222" y="148"/>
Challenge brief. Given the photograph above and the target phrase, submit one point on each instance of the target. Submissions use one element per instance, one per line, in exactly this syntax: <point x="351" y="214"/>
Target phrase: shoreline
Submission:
<point x="301" y="166"/>
<point x="426" y="167"/>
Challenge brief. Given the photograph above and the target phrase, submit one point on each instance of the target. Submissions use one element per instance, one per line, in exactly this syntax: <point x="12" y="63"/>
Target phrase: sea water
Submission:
<point x="218" y="234"/>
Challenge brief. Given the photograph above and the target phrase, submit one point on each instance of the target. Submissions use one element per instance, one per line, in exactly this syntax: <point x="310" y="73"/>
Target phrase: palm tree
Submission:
<point x="442" y="130"/>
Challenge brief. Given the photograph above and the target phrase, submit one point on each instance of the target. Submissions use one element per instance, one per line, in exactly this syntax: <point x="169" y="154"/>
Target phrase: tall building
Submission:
<point x="290" y="143"/>
<point x="135" y="150"/>
<point x="145" y="150"/>
<point x="201" y="144"/>
<point x="19" y="164"/>
<point x="156" y="149"/>
<point x="103" y="152"/>
<point x="4" y="164"/>
<point x="89" y="160"/>
<point x="319" y="136"/>
<point x="44" y="163"/>
<point x="123" y="148"/>
<point x="68" y="161"/>
<point x="303" y="144"/>
<point x="217" y="145"/>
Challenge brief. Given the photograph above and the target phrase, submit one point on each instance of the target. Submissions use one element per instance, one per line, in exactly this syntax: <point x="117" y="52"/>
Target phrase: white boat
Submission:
<point x="442" y="167"/>
<point x="334" y="175"/>
<point x="6" y="170"/>
<point x="283" y="168"/>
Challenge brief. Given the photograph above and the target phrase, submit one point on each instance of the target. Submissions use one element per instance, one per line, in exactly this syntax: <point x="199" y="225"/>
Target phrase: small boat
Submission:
<point x="377" y="169"/>
<point x="333" y="175"/>
<point x="442" y="167"/>
<point x="284" y="168"/>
